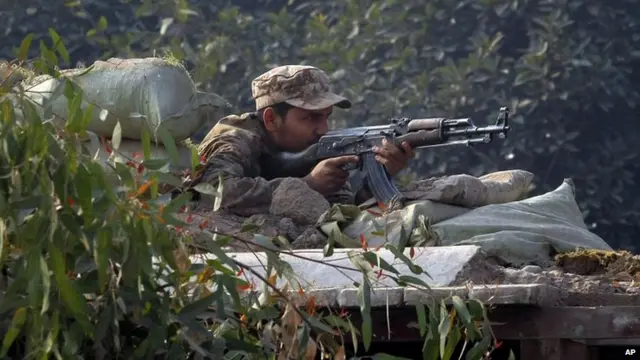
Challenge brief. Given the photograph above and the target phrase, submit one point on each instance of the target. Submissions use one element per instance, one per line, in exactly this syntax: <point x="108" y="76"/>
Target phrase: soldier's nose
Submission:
<point x="323" y="129"/>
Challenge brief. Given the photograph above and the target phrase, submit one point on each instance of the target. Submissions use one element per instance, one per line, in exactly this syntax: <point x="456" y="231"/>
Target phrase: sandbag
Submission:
<point x="524" y="232"/>
<point x="528" y="231"/>
<point x="149" y="92"/>
<point x="469" y="191"/>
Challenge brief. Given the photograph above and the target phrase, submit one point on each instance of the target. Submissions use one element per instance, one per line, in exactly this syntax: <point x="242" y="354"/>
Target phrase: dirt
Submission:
<point x="598" y="262"/>
<point x="583" y="278"/>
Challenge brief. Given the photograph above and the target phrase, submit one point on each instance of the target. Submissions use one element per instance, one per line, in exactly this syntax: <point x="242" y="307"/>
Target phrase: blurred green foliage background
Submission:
<point x="565" y="68"/>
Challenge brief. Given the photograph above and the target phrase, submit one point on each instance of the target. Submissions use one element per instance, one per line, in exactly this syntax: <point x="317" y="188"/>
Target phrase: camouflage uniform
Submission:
<point x="235" y="146"/>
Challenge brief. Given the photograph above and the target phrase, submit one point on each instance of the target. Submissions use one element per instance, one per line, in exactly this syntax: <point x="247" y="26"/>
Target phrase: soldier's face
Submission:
<point x="301" y="128"/>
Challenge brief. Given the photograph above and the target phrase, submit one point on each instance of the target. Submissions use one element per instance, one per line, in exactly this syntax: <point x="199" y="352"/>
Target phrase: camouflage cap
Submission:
<point x="302" y="86"/>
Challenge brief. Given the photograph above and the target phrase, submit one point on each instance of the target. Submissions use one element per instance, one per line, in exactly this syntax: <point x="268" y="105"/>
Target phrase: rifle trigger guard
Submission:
<point x="350" y="166"/>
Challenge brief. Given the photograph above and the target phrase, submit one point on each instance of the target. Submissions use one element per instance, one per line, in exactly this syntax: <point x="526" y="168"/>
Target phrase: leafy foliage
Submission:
<point x="93" y="270"/>
<point x="566" y="70"/>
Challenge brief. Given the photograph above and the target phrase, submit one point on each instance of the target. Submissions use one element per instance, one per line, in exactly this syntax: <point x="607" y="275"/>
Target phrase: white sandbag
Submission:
<point x="470" y="191"/>
<point x="522" y="232"/>
<point x="526" y="231"/>
<point x="149" y="92"/>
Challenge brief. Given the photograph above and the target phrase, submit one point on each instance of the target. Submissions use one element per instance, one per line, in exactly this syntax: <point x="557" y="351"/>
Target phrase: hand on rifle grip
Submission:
<point x="329" y="175"/>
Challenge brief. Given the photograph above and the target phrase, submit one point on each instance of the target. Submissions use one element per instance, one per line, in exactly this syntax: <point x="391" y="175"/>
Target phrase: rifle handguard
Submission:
<point x="421" y="138"/>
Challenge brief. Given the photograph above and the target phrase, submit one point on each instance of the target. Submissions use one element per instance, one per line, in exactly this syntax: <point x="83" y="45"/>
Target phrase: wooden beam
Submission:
<point x="556" y="350"/>
<point x="522" y="323"/>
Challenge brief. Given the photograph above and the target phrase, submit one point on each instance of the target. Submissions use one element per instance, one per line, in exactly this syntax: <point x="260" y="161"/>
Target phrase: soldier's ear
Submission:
<point x="270" y="119"/>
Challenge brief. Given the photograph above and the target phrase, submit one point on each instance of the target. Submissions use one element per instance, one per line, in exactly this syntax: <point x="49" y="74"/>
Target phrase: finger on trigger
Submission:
<point x="408" y="149"/>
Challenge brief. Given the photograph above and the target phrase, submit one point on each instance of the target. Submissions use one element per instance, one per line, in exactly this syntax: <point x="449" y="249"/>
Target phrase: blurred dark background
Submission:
<point x="565" y="68"/>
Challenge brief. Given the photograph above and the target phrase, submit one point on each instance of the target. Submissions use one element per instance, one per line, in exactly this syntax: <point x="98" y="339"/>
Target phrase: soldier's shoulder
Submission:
<point x="247" y="121"/>
<point x="241" y="130"/>
<point x="246" y="125"/>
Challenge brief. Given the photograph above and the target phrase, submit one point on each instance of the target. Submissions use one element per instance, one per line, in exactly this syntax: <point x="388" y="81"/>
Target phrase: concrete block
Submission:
<point x="314" y="271"/>
<point x="521" y="294"/>
<point x="434" y="295"/>
<point x="380" y="297"/>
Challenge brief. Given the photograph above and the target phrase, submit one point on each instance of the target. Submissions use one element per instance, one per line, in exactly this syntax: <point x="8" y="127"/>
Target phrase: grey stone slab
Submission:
<point x="522" y="294"/>
<point x="380" y="297"/>
<point x="315" y="271"/>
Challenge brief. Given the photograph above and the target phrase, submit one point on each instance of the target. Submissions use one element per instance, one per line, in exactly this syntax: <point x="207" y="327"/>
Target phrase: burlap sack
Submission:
<point x="139" y="93"/>
<point x="470" y="191"/>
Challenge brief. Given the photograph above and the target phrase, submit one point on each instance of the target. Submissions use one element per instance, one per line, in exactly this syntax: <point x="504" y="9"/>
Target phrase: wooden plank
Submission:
<point x="522" y="323"/>
<point x="602" y="322"/>
<point x="558" y="349"/>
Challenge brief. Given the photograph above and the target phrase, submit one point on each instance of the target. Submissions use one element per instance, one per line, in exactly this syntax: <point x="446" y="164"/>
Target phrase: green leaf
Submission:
<point x="3" y="237"/>
<point x="165" y="178"/>
<point x="430" y="348"/>
<point x="74" y="300"/>
<point x="400" y="255"/>
<point x="88" y="116"/>
<point x="452" y="341"/>
<point x="19" y="318"/>
<point x="169" y="144"/>
<point x="218" y="201"/>
<point x="328" y="247"/>
<point x="384" y="356"/>
<point x="359" y="262"/>
<point x="197" y="308"/>
<point x="413" y="280"/>
<point x="146" y="143"/>
<point x="46" y="285"/>
<point x="303" y="338"/>
<point x="116" y="137"/>
<point x="58" y="45"/>
<point x="465" y="316"/>
<point x="154" y="164"/>
<point x="364" y="295"/>
<point x="479" y="349"/>
<point x="443" y="328"/>
<point x="24" y="47"/>
<point x="177" y="203"/>
<point x="206" y="189"/>
<point x="317" y="324"/>
<point x="422" y="318"/>
<point x="374" y="258"/>
<point x="195" y="159"/>
<point x="354" y="335"/>
<point x="268" y="313"/>
<point x="101" y="254"/>
<point x="217" y="265"/>
<point x="84" y="187"/>
<point x="476" y="309"/>
<point x="124" y="173"/>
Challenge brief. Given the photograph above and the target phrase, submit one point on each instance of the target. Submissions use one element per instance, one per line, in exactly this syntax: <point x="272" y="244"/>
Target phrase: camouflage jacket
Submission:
<point x="234" y="149"/>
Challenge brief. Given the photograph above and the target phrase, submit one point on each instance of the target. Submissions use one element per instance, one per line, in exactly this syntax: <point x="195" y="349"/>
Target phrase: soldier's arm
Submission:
<point x="230" y="155"/>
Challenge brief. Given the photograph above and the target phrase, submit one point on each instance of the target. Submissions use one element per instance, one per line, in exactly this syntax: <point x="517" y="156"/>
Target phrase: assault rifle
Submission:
<point x="419" y="133"/>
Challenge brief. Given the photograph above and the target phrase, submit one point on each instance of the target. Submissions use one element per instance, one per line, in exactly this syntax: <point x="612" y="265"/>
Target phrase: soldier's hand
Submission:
<point x="328" y="176"/>
<point x="394" y="158"/>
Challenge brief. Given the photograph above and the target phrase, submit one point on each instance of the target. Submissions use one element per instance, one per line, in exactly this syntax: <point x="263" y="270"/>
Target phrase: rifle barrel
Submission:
<point x="491" y="129"/>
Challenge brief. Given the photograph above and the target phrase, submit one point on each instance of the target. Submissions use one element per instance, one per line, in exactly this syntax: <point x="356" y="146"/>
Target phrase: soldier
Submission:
<point x="293" y="105"/>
